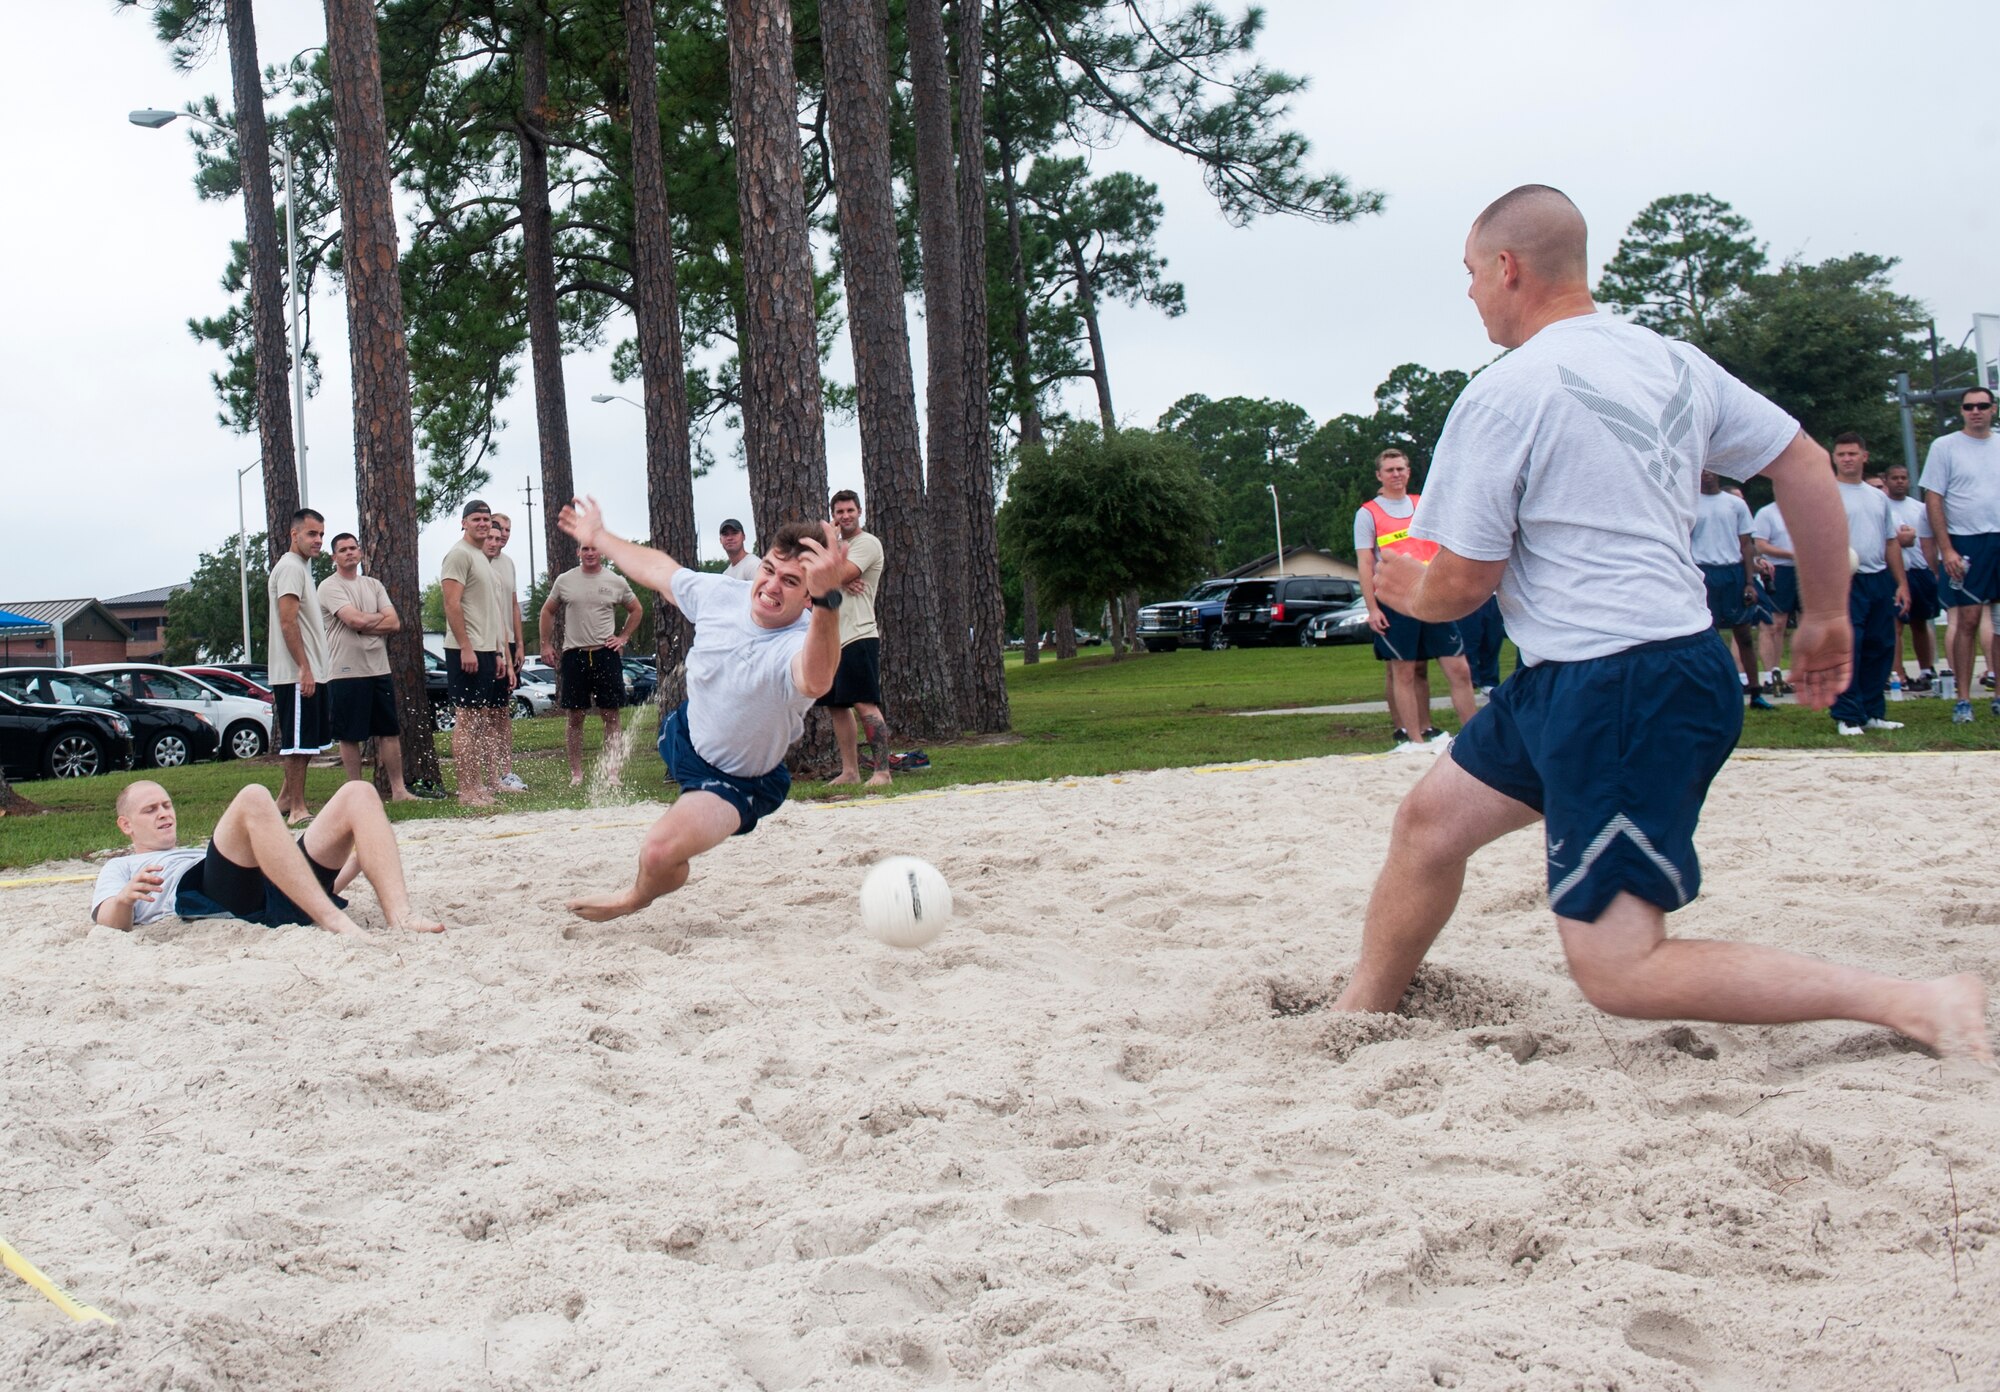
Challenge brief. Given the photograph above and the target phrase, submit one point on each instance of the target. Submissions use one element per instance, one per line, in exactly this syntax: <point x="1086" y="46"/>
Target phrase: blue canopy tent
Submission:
<point x="13" y="625"/>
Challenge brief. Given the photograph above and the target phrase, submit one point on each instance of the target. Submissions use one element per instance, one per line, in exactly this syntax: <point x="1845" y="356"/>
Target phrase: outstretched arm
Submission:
<point x="583" y="520"/>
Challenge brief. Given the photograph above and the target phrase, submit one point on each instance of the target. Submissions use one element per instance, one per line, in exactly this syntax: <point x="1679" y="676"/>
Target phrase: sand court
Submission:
<point x="1100" y="1135"/>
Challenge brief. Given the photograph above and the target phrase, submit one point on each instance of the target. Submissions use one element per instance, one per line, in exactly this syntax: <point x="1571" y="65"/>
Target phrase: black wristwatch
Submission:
<point x="830" y="600"/>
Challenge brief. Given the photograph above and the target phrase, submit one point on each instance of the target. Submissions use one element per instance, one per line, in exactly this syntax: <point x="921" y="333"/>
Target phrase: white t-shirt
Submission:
<point x="1364" y="520"/>
<point x="1577" y="459"/>
<point x="745" y="569"/>
<point x="1721" y="521"/>
<point x="292" y="576"/>
<point x="1769" y="525"/>
<point x="1910" y="512"/>
<point x="1967" y="472"/>
<point x="120" y="871"/>
<point x="1870" y="522"/>
<point x="744" y="709"/>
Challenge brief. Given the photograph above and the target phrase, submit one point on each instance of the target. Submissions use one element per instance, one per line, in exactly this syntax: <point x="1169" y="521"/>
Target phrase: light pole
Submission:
<point x="243" y="556"/>
<point x="603" y="397"/>
<point x="1278" y="523"/>
<point x="153" y="118"/>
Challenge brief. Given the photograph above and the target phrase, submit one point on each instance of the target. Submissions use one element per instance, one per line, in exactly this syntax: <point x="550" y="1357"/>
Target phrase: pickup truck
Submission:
<point x="1194" y="620"/>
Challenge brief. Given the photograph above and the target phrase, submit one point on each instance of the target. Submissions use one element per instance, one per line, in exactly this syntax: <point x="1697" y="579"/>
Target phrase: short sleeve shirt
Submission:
<point x="857" y="611"/>
<point x="120" y="871"/>
<point x="744" y="709"/>
<point x="1769" y="525"/>
<point x="1364" y="520"/>
<point x="1721" y="521"/>
<point x="1870" y="523"/>
<point x="292" y="576"/>
<point x="1577" y="460"/>
<point x="507" y="592"/>
<point x="590" y="605"/>
<point x="1967" y="473"/>
<point x="1910" y="512"/>
<point x="745" y="569"/>
<point x="351" y="654"/>
<point x="480" y="598"/>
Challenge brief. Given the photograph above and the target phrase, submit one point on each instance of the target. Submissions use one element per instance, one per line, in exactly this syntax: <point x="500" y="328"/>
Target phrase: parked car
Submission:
<point x="641" y="682"/>
<point x="438" y="692"/>
<point x="232" y="683"/>
<point x="1262" y="612"/>
<point x="1194" y="620"/>
<point x="246" y="725"/>
<point x="162" y="737"/>
<point x="1349" y="625"/>
<point x="61" y="741"/>
<point x="536" y="694"/>
<point x="257" y="672"/>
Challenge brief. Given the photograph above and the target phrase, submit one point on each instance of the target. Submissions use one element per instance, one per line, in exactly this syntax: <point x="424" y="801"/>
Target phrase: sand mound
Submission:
<point x="1102" y="1135"/>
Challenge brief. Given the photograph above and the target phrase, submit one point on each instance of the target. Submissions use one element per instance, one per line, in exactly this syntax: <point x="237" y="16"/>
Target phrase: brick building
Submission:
<point x="70" y="631"/>
<point x="145" y="613"/>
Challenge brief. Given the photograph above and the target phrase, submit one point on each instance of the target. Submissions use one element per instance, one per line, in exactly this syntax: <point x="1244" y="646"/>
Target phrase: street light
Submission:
<point x="243" y="556"/>
<point x="1278" y="523"/>
<point x="153" y="118"/>
<point x="603" y="397"/>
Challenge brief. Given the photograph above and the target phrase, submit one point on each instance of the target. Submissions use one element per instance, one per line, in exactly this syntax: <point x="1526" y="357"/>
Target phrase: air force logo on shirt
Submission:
<point x="1657" y="443"/>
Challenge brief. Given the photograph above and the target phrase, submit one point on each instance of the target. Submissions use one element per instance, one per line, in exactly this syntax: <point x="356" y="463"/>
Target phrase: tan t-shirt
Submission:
<point x="468" y="565"/>
<point x="857" y="611"/>
<point x="589" y="605"/>
<point x="509" y="594"/>
<point x="350" y="654"/>
<point x="292" y="576"/>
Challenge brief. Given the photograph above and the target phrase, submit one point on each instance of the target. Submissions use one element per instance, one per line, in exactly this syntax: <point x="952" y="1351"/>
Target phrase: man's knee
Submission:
<point x="1607" y="961"/>
<point x="252" y="798"/>
<point x="355" y="796"/>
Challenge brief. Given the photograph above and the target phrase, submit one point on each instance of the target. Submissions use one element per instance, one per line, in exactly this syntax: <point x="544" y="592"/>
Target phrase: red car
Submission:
<point x="232" y="683"/>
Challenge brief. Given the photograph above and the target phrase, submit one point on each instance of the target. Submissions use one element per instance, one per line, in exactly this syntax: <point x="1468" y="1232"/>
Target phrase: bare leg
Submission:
<point x="1458" y="672"/>
<point x="1985" y="638"/>
<point x="1961" y="635"/>
<point x="847" y="741"/>
<point x="1421" y="700"/>
<point x="1408" y="709"/>
<point x="352" y="830"/>
<point x="1746" y="655"/>
<point x="609" y="715"/>
<point x="251" y="831"/>
<point x="1444" y="819"/>
<point x="466" y="733"/>
<point x="1627" y="965"/>
<point x="500" y="743"/>
<point x="292" y="790"/>
<point x="389" y="758"/>
<point x="878" y="743"/>
<point x="1771" y="644"/>
<point x="696" y="822"/>
<point x="350" y="760"/>
<point x="573" y="743"/>
<point x="1923" y="643"/>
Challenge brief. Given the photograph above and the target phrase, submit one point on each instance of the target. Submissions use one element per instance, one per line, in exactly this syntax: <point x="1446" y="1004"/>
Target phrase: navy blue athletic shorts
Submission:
<point x="1725" y="596"/>
<point x="1412" y="640"/>
<point x="1924" y="606"/>
<point x="1982" y="572"/>
<point x="1783" y="591"/>
<point x="752" y="797"/>
<point x="1616" y="753"/>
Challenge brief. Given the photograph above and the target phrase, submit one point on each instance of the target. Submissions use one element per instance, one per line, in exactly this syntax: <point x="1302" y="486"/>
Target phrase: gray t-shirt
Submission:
<point x="1967" y="472"/>
<point x="744" y="709"/>
<point x="120" y="871"/>
<point x="1910" y="512"/>
<point x="1769" y="525"/>
<point x="745" y="569"/>
<point x="1870" y="522"/>
<point x="351" y="654"/>
<point x="479" y="599"/>
<point x="590" y="605"/>
<point x="1577" y="459"/>
<point x="292" y="576"/>
<point x="1721" y="521"/>
<point x="1364" y="520"/>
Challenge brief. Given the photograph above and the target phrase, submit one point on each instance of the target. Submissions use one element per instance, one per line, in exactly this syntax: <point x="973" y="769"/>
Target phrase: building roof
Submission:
<point x="49" y="611"/>
<point x="1270" y="558"/>
<point x="146" y="598"/>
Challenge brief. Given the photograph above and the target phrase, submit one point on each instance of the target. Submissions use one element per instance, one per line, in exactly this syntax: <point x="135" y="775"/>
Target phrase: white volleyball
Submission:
<point x="904" y="901"/>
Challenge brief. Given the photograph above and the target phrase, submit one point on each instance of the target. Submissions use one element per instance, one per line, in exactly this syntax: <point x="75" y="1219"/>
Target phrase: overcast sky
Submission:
<point x="1816" y="120"/>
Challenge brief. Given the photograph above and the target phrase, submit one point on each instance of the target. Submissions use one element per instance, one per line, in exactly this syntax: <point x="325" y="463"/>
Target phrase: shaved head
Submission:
<point x="1543" y="230"/>
<point x="131" y="792"/>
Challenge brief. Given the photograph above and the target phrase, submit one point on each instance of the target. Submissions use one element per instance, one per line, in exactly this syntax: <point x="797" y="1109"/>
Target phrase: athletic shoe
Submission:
<point x="427" y="790"/>
<point x="1986" y="679"/>
<point x="1841" y="727"/>
<point x="1996" y="707"/>
<point x="1399" y="736"/>
<point x="1961" y="714"/>
<point x="512" y="784"/>
<point x="1759" y="703"/>
<point x="1887" y="724"/>
<point x="1431" y="732"/>
<point x="1917" y="683"/>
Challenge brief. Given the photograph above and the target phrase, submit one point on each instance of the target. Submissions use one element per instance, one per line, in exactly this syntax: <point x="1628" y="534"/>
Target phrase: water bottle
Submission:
<point x="1895" y="686"/>
<point x="1947" y="685"/>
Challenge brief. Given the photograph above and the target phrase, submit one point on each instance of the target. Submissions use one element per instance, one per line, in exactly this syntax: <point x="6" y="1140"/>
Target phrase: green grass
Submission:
<point x="1087" y="716"/>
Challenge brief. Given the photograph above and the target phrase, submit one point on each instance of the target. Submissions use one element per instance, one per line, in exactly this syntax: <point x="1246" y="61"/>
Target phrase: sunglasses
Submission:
<point x="1975" y="406"/>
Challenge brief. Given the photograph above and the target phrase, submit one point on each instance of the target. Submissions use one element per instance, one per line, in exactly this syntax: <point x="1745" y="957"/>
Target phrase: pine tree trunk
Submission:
<point x="1065" y="626"/>
<point x="1114" y="627"/>
<point x="917" y="679"/>
<point x="270" y="352"/>
<point x="942" y="251"/>
<point x="1100" y="373"/>
<point x="1027" y="404"/>
<point x="1031" y="621"/>
<point x="1128" y="607"/>
<point x="669" y="471"/>
<point x="385" y="474"/>
<point x="986" y="606"/>
<point x="538" y="263"/>
<point x="784" y="435"/>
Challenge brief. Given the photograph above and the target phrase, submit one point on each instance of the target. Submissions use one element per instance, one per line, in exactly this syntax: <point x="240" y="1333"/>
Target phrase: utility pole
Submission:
<point x="528" y="492"/>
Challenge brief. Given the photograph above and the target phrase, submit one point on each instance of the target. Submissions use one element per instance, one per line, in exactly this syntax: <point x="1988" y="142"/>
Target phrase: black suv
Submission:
<point x="1260" y="612"/>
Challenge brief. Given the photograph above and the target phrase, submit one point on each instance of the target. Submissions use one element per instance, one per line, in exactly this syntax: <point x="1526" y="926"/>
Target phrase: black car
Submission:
<point x="1262" y="612"/>
<point x="1349" y="625"/>
<point x="162" y="736"/>
<point x="641" y="681"/>
<point x="438" y="692"/>
<point x="61" y="741"/>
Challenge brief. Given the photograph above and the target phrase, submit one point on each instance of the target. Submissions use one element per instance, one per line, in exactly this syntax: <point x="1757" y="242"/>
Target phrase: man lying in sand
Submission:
<point x="252" y="868"/>
<point x="757" y="664"/>
<point x="1566" y="478"/>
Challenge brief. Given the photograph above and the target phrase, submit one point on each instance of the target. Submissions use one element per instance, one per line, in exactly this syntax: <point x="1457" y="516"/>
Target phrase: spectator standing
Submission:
<point x="1913" y="533"/>
<point x="475" y="655"/>
<point x="298" y="662"/>
<point x="360" y="697"/>
<point x="1382" y="524"/>
<point x="857" y="687"/>
<point x="741" y="564"/>
<point x="1961" y="484"/>
<point x="590" y="672"/>
<point x="1876" y="592"/>
<point x="498" y="531"/>
<point x="1773" y="541"/>
<point x="1723" y="550"/>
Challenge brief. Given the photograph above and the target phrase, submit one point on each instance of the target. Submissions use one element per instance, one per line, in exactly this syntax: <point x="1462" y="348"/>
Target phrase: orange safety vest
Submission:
<point x="1393" y="533"/>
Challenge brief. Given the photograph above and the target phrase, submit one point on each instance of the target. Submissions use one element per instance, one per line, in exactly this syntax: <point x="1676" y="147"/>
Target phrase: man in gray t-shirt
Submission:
<point x="298" y="667"/>
<point x="1566" y="479"/>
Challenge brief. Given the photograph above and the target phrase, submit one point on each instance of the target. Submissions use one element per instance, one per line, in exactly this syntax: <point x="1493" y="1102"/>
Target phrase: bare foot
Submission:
<point x="474" y="800"/>
<point x="602" y="908"/>
<point x="298" y="818"/>
<point x="347" y="928"/>
<point x="403" y="795"/>
<point x="882" y="779"/>
<point x="576" y="780"/>
<point x="841" y="778"/>
<point x="1955" y="1022"/>
<point x="416" y="923"/>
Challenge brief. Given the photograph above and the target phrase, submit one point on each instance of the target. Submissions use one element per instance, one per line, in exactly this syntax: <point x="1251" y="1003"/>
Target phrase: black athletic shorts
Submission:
<point x="220" y="886"/>
<point x="302" y="719"/>
<point x="859" y="680"/>
<point x="360" y="708"/>
<point x="591" y="679"/>
<point x="481" y="690"/>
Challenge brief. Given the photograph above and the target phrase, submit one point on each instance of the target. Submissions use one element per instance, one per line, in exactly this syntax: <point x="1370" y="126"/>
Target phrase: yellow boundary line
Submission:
<point x="56" y="1295"/>
<point x="46" y="880"/>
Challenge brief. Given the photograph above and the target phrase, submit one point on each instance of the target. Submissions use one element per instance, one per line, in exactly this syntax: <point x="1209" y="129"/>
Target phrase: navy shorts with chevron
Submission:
<point x="1616" y="753"/>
